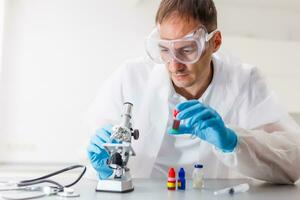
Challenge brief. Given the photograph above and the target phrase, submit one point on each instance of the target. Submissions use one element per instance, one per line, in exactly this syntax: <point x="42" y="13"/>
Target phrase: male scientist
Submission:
<point x="238" y="128"/>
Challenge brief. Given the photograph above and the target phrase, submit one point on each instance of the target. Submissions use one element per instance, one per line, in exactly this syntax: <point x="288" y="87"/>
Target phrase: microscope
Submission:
<point x="119" y="153"/>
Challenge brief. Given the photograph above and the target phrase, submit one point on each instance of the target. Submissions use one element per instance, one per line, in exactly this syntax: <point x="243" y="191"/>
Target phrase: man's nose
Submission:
<point x="175" y="66"/>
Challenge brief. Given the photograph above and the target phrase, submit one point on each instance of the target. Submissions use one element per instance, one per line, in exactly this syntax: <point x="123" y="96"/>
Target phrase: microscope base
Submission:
<point x="115" y="185"/>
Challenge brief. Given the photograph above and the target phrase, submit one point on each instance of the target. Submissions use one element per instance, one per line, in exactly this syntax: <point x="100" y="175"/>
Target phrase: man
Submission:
<point x="239" y="127"/>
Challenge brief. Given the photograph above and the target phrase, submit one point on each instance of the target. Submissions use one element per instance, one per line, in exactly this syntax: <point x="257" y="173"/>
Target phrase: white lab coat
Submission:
<point x="268" y="139"/>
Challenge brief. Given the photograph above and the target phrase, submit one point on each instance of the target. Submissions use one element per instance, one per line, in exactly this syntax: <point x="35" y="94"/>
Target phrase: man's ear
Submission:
<point x="216" y="41"/>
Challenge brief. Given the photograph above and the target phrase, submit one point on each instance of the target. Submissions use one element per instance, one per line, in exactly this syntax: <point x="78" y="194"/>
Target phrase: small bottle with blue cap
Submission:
<point x="198" y="176"/>
<point x="181" y="179"/>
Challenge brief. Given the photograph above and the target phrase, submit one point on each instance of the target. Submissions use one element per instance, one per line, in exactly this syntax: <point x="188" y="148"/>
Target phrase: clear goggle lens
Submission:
<point x="182" y="51"/>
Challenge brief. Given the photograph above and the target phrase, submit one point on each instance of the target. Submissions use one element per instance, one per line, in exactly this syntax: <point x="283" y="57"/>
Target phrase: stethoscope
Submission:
<point x="33" y="185"/>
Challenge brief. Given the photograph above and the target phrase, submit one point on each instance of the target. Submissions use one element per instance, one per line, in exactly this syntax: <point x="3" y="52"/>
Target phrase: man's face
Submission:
<point x="183" y="75"/>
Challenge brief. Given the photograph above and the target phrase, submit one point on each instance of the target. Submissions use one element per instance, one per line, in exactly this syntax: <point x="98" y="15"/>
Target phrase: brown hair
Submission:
<point x="202" y="10"/>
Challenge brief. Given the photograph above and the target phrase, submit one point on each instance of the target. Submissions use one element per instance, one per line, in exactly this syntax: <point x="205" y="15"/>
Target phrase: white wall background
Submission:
<point x="266" y="34"/>
<point x="1" y="30"/>
<point x="56" y="53"/>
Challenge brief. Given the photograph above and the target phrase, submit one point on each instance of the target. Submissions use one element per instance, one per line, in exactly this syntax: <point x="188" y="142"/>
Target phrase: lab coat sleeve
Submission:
<point x="126" y="84"/>
<point x="107" y="106"/>
<point x="268" y="141"/>
<point x="271" y="157"/>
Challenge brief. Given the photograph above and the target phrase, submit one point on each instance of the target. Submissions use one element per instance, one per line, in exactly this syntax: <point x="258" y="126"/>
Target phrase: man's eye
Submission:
<point x="165" y="50"/>
<point x="187" y="50"/>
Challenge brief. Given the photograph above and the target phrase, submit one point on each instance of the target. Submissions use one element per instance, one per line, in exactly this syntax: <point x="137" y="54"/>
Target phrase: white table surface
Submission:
<point x="156" y="189"/>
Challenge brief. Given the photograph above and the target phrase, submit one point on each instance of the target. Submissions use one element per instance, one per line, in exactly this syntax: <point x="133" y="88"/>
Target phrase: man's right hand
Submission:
<point x="97" y="153"/>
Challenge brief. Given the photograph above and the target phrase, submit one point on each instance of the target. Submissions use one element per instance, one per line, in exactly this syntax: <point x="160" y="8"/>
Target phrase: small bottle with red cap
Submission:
<point x="171" y="179"/>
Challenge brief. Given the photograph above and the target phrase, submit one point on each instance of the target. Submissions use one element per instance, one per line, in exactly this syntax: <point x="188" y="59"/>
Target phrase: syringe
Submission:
<point x="234" y="189"/>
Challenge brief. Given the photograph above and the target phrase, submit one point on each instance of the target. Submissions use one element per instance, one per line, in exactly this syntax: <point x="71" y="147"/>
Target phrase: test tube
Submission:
<point x="176" y="122"/>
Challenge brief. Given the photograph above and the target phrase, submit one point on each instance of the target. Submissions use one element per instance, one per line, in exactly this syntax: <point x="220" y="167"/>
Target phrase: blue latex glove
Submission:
<point x="205" y="123"/>
<point x="97" y="153"/>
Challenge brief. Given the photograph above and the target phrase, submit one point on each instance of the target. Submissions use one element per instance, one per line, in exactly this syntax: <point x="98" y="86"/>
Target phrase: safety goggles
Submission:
<point x="186" y="50"/>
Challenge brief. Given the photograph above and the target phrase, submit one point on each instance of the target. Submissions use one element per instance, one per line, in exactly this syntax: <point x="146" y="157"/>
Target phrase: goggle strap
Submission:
<point x="210" y="35"/>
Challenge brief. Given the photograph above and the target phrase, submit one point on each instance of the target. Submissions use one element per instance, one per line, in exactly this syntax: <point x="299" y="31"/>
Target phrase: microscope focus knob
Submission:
<point x="136" y="134"/>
